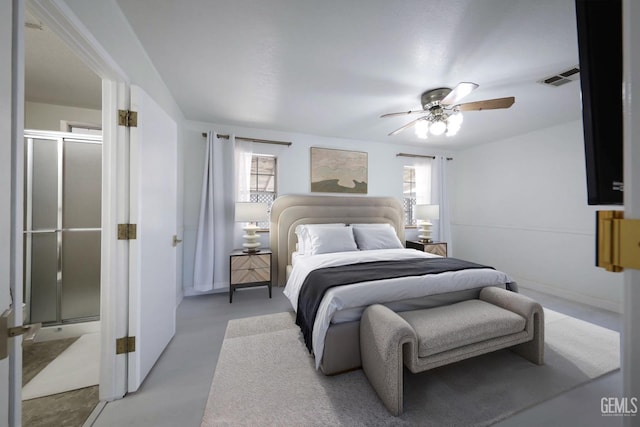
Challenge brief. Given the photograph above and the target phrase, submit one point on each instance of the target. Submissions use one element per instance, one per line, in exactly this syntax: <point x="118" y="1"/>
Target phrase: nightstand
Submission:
<point x="248" y="270"/>
<point x="437" y="248"/>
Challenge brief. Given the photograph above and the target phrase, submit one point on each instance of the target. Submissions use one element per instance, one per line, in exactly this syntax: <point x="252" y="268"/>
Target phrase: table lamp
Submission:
<point x="251" y="213"/>
<point x="424" y="213"/>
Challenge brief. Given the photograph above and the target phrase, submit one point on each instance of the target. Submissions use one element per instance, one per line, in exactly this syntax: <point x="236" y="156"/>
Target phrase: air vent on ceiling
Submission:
<point x="561" y="78"/>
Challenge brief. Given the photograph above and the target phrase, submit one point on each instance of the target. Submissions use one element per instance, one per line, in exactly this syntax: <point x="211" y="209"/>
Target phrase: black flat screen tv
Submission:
<point x="599" y="24"/>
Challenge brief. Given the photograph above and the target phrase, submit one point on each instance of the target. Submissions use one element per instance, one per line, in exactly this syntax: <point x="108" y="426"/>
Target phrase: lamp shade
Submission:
<point x="425" y="212"/>
<point x="251" y="212"/>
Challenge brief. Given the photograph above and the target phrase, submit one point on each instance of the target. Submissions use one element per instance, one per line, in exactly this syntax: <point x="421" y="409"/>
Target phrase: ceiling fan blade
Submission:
<point x="487" y="104"/>
<point x="411" y="123"/>
<point x="460" y="91"/>
<point x="404" y="113"/>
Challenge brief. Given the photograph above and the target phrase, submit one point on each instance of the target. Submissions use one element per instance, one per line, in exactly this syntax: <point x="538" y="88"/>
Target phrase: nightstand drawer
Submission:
<point x="250" y="262"/>
<point x="250" y="275"/>
<point x="436" y="248"/>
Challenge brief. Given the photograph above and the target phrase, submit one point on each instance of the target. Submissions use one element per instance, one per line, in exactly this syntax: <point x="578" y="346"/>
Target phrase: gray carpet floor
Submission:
<point x="175" y="392"/>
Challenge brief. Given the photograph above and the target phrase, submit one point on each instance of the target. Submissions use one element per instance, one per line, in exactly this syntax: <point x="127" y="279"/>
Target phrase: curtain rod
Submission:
<point x="419" y="155"/>
<point x="261" y="141"/>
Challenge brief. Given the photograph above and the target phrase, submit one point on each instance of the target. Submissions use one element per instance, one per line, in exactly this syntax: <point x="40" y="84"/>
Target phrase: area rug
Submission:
<point x="76" y="367"/>
<point x="266" y="377"/>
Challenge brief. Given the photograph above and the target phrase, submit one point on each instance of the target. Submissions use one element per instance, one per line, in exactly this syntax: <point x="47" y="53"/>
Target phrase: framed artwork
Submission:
<point x="338" y="171"/>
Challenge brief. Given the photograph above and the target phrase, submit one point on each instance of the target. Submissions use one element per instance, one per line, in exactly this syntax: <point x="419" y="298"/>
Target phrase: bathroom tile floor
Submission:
<point x="63" y="409"/>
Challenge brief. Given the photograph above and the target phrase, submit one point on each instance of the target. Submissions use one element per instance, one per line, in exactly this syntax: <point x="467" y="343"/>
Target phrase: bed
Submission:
<point x="333" y="333"/>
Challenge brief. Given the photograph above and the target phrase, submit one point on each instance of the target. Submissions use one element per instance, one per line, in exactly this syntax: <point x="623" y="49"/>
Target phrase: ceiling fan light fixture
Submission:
<point x="452" y="130"/>
<point x="455" y="119"/>
<point x="422" y="129"/>
<point x="438" y="127"/>
<point x="442" y="110"/>
<point x="454" y="122"/>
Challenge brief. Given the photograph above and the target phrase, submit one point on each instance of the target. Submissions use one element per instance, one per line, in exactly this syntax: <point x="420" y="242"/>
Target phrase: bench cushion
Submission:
<point x="444" y="328"/>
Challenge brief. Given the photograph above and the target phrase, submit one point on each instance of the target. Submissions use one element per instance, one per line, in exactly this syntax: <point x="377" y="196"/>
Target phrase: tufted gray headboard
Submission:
<point x="291" y="210"/>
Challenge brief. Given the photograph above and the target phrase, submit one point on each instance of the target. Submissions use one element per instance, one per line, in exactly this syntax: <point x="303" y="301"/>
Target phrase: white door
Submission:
<point x="5" y="194"/>
<point x="5" y="226"/>
<point x="153" y="204"/>
<point x="11" y="108"/>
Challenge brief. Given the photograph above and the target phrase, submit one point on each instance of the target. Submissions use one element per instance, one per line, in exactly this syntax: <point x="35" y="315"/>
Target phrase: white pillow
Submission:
<point x="373" y="225"/>
<point x="304" y="245"/>
<point x="325" y="240"/>
<point x="369" y="238"/>
<point x="300" y="234"/>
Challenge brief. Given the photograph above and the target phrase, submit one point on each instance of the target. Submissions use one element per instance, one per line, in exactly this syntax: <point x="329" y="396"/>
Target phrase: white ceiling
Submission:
<point x="54" y="74"/>
<point x="333" y="67"/>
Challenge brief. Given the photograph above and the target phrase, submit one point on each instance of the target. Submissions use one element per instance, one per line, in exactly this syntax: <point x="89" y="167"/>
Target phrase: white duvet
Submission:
<point x="363" y="294"/>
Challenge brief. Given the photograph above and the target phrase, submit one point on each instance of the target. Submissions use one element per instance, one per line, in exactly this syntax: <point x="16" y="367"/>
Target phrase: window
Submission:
<point x="263" y="181"/>
<point x="409" y="195"/>
<point x="416" y="189"/>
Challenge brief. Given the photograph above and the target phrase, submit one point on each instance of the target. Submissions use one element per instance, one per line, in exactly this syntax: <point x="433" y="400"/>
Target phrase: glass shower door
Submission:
<point x="81" y="206"/>
<point x="62" y="227"/>
<point x="41" y="225"/>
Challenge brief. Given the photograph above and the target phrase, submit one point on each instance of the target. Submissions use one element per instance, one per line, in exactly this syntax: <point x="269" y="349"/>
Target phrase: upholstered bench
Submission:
<point x="428" y="338"/>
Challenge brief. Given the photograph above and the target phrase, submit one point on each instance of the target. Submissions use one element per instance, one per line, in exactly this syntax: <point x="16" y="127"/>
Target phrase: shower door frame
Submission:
<point x="59" y="138"/>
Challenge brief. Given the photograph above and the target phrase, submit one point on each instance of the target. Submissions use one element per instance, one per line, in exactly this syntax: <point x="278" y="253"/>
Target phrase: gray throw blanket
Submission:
<point x="318" y="281"/>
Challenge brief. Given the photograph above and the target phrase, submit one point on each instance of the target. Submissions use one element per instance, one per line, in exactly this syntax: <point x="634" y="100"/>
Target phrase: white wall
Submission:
<point x="385" y="171"/>
<point x="41" y="116"/>
<point x="110" y="28"/>
<point x="520" y="205"/>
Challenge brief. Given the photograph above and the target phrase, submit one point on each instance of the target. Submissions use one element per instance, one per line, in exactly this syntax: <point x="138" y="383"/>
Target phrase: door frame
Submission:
<point x="115" y="193"/>
<point x="11" y="125"/>
<point x="630" y="338"/>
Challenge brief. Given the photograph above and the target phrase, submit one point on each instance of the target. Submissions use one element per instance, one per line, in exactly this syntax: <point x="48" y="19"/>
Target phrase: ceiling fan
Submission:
<point x="442" y="113"/>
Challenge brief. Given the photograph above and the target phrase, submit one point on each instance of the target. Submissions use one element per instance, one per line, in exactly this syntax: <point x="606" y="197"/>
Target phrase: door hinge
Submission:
<point x="127" y="118"/>
<point x="125" y="345"/>
<point x="617" y="241"/>
<point x="127" y="231"/>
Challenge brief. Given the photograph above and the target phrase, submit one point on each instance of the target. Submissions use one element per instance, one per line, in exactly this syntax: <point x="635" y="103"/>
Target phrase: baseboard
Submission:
<point x="192" y="293"/>
<point x="70" y="330"/>
<point x="572" y="296"/>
